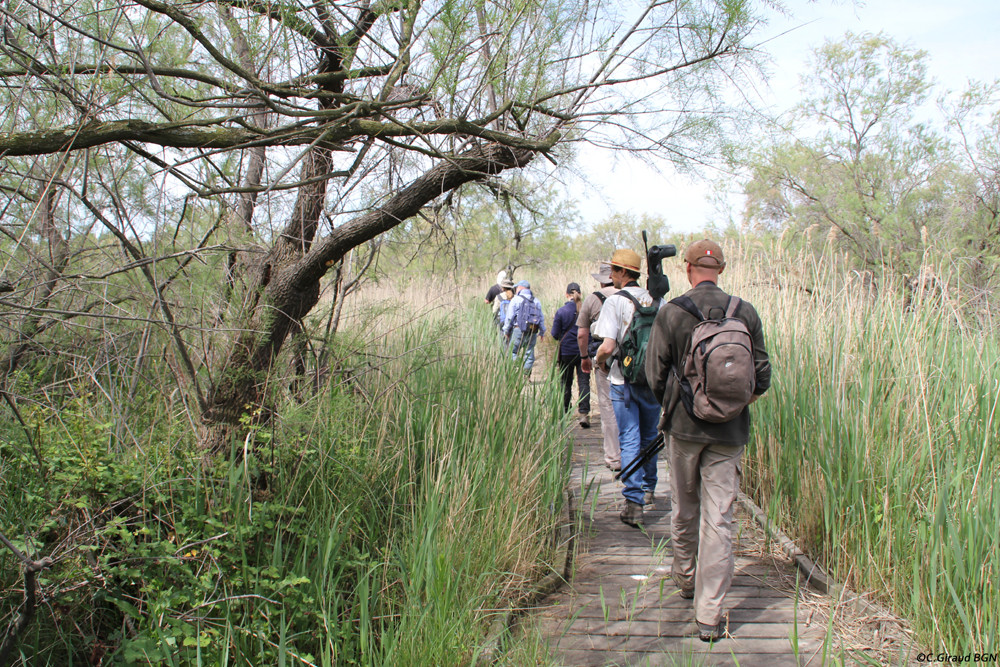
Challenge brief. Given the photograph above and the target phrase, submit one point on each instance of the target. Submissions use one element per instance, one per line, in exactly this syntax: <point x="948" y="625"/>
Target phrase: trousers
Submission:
<point x="609" y="425"/>
<point x="568" y="367"/>
<point x="704" y="481"/>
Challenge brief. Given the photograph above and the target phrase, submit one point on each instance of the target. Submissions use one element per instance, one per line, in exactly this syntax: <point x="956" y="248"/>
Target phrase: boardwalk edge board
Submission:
<point x="815" y="576"/>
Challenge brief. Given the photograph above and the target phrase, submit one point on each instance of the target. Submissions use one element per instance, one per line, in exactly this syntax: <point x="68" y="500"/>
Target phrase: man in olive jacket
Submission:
<point x="704" y="457"/>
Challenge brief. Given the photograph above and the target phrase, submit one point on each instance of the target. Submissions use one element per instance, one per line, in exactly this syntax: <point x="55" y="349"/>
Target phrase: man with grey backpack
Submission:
<point x="706" y="363"/>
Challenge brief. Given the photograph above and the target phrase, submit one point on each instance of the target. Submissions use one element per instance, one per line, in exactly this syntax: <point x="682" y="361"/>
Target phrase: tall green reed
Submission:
<point x="440" y="509"/>
<point x="877" y="444"/>
<point x="481" y="470"/>
<point x="387" y="520"/>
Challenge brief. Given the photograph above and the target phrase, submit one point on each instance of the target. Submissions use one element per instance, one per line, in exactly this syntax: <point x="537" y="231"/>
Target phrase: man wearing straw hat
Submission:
<point x="590" y="310"/>
<point x="636" y="409"/>
<point x="704" y="456"/>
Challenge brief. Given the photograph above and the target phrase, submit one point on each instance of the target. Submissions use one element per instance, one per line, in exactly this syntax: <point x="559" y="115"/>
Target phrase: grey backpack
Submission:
<point x="719" y="376"/>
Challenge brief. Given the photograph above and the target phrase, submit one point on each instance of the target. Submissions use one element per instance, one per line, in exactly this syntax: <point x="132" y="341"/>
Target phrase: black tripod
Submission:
<point x="651" y="450"/>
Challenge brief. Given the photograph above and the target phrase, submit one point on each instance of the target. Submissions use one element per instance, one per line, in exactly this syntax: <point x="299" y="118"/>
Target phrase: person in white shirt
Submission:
<point x="636" y="409"/>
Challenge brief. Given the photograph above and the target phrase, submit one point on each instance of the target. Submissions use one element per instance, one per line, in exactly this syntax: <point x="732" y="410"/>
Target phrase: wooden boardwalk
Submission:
<point x="621" y="607"/>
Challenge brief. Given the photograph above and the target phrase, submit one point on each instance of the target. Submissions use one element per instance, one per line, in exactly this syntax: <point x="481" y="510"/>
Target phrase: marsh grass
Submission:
<point x="876" y="447"/>
<point x="453" y="506"/>
<point x="389" y="519"/>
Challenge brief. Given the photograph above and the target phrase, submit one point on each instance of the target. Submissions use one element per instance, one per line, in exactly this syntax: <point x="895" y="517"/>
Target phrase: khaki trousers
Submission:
<point x="704" y="481"/>
<point x="609" y="425"/>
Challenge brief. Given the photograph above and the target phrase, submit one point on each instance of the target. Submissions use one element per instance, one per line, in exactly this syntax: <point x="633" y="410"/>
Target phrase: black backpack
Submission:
<point x="595" y="341"/>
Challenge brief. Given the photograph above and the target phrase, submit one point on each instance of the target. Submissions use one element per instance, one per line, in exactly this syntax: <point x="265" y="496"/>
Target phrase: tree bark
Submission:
<point x="288" y="282"/>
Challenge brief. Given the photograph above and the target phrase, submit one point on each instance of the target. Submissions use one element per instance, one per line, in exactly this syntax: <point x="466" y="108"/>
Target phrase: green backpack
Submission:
<point x="631" y="354"/>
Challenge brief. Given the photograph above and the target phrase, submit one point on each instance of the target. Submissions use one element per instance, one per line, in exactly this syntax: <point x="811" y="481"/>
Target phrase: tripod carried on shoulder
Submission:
<point x="651" y="450"/>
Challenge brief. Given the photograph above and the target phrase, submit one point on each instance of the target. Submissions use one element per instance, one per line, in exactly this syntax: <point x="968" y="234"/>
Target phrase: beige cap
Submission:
<point x="706" y="254"/>
<point x="626" y="259"/>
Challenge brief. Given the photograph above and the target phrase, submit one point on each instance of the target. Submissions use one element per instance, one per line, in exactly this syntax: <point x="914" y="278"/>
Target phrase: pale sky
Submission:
<point x="959" y="36"/>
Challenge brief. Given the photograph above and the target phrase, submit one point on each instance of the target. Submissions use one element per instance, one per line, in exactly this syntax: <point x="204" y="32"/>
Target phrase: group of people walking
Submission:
<point x="518" y="314"/>
<point x="693" y="375"/>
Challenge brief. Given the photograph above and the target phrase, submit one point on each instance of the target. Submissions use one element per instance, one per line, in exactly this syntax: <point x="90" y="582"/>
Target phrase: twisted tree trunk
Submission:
<point x="287" y="283"/>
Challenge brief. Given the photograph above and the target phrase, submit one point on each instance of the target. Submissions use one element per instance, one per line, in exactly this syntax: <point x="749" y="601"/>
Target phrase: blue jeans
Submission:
<point x="519" y="340"/>
<point x="638" y="413"/>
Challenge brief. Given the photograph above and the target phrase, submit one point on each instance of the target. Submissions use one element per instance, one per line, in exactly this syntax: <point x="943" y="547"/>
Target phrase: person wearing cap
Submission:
<point x="564" y="330"/>
<point x="589" y="312"/>
<point x="637" y="410"/>
<point x="497" y="288"/>
<point x="704" y="457"/>
<point x="502" y="302"/>
<point x="523" y="340"/>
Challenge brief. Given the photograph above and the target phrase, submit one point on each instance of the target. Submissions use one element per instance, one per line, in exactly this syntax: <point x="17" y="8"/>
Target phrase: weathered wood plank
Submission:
<point x="730" y="644"/>
<point x="593" y="658"/>
<point x="621" y="606"/>
<point x="595" y="613"/>
<point x="671" y="623"/>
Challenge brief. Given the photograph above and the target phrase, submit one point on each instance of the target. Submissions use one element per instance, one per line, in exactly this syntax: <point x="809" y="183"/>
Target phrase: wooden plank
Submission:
<point x="622" y="607"/>
<point x="678" y="625"/>
<point x="692" y="657"/>
<point x="733" y="645"/>
<point x="787" y="615"/>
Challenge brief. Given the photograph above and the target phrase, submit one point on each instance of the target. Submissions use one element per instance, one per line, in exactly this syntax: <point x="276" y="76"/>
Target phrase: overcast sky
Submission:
<point x="959" y="36"/>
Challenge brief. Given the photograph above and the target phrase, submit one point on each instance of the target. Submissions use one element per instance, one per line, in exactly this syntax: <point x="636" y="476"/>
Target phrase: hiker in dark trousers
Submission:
<point x="704" y="456"/>
<point x="636" y="408"/>
<point x="590" y="310"/>
<point x="564" y="330"/>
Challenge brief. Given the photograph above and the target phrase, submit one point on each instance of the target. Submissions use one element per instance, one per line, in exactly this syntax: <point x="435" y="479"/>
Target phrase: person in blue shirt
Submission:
<point x="564" y="330"/>
<point x="502" y="302"/>
<point x="524" y="325"/>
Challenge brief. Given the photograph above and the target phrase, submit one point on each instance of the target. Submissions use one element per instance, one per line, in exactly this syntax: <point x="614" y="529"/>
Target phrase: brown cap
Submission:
<point x="626" y="259"/>
<point x="705" y="253"/>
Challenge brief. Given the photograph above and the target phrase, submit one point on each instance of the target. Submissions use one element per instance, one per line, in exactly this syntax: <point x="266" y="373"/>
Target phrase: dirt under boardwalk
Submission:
<point x="621" y="607"/>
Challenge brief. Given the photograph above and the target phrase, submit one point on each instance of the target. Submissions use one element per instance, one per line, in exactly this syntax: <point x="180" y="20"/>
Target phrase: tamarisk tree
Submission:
<point x="253" y="143"/>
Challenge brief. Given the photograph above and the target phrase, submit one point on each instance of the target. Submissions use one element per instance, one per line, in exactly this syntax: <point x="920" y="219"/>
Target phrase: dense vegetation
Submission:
<point x="877" y="445"/>
<point x="234" y="453"/>
<point x="387" y="519"/>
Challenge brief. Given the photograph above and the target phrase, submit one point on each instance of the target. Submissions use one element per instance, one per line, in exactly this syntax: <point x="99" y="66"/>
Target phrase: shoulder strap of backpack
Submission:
<point x="734" y="303"/>
<point x="685" y="302"/>
<point x="638" y="306"/>
<point x="602" y="296"/>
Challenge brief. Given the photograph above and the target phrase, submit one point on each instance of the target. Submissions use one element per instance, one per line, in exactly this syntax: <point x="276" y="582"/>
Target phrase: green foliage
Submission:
<point x="348" y="532"/>
<point x="875" y="448"/>
<point x="864" y="175"/>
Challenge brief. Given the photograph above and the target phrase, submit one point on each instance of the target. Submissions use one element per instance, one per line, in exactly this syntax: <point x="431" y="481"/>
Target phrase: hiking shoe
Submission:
<point x="584" y="421"/>
<point x="687" y="592"/>
<point x="711" y="633"/>
<point x="632" y="514"/>
<point x="613" y="467"/>
<point x="649" y="499"/>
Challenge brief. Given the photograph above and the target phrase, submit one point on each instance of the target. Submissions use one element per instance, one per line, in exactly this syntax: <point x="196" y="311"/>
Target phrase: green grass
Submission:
<point x="388" y="520"/>
<point x="876" y="447"/>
